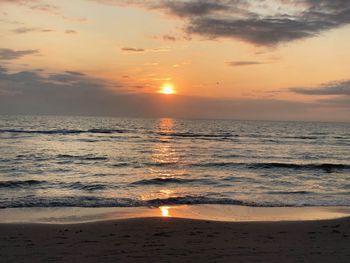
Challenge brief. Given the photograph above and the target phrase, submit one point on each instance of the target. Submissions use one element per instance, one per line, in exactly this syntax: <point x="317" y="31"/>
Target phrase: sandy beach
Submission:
<point x="177" y="240"/>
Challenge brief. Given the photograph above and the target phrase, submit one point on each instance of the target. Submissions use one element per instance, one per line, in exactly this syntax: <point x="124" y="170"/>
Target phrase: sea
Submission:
<point x="50" y="161"/>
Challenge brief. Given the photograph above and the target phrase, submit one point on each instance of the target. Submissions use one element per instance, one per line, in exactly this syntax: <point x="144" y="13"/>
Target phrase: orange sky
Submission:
<point x="201" y="48"/>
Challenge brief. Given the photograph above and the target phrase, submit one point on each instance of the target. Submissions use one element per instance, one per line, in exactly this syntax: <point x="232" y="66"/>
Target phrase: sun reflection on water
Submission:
<point x="164" y="151"/>
<point x="166" y="166"/>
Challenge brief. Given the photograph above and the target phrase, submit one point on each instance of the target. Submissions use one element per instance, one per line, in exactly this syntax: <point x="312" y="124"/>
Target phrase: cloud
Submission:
<point x="11" y="22"/>
<point x="313" y="18"/>
<point x="131" y="49"/>
<point x="169" y="38"/>
<point x="24" y="30"/>
<point x="141" y="50"/>
<point x="71" y="32"/>
<point x="174" y="38"/>
<point x="339" y="102"/>
<point x="46" y="8"/>
<point x="243" y="63"/>
<point x="21" y="2"/>
<point x="263" y="22"/>
<point x="50" y="9"/>
<point x="192" y="8"/>
<point x="76" y="93"/>
<point x="9" y="54"/>
<point x="76" y="73"/>
<point x="331" y="88"/>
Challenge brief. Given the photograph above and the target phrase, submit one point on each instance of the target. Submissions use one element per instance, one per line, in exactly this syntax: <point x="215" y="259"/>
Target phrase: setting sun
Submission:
<point x="165" y="211"/>
<point x="167" y="89"/>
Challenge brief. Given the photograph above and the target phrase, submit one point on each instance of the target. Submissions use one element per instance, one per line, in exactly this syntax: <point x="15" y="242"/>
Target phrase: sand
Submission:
<point x="177" y="240"/>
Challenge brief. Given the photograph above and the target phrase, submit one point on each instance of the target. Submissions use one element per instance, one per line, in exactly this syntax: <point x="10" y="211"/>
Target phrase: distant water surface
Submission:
<point x="111" y="162"/>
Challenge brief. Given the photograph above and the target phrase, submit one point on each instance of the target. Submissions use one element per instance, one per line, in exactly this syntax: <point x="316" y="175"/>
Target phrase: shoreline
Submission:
<point x="166" y="239"/>
<point x="220" y="213"/>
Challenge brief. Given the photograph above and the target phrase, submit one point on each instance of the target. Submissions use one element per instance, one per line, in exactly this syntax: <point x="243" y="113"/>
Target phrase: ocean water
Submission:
<point x="119" y="162"/>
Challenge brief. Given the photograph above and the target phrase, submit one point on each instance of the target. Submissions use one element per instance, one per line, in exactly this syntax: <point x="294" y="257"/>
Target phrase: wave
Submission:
<point x="162" y="164"/>
<point x="121" y="165"/>
<point x="163" y="181"/>
<point x="85" y="187"/>
<point x="20" y="184"/>
<point x="197" y="135"/>
<point x="87" y="157"/>
<point x="94" y="201"/>
<point x="73" y="201"/>
<point x="84" y="201"/>
<point x="290" y="193"/>
<point x="64" y="131"/>
<point x="302" y="137"/>
<point x="325" y="167"/>
<point x="36" y="183"/>
<point x="195" y="200"/>
<point x="328" y="167"/>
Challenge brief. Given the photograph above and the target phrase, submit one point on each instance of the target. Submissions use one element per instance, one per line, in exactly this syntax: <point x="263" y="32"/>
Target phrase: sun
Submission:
<point x="167" y="89"/>
<point x="165" y="211"/>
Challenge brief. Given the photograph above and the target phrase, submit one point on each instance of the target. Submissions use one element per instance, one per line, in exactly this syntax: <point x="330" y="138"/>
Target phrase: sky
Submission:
<point x="225" y="59"/>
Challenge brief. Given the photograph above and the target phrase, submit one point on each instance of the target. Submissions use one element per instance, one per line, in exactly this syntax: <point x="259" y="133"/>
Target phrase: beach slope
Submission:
<point x="177" y="240"/>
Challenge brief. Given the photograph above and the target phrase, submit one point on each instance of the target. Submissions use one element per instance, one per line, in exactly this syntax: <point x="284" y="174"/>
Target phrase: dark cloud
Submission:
<point x="315" y="18"/>
<point x="243" y="63"/>
<point x="9" y="54"/>
<point x="131" y="49"/>
<point x="263" y="22"/>
<point x="332" y="88"/>
<point x="338" y="102"/>
<point x="193" y="8"/>
<point x="267" y="31"/>
<point x="75" y="93"/>
<point x="59" y="93"/>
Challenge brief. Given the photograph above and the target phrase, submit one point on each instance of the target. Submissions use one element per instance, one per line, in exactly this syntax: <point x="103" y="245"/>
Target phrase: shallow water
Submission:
<point x="111" y="162"/>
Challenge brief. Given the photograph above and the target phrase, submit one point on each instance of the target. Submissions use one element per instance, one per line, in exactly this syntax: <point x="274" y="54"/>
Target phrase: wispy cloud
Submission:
<point x="142" y="50"/>
<point x="131" y="49"/>
<point x="46" y="8"/>
<point x="169" y="38"/>
<point x="11" y="22"/>
<point x="243" y="63"/>
<point x="75" y="73"/>
<point x="21" y="2"/>
<point x="174" y="37"/>
<point x="50" y="9"/>
<point x="331" y="88"/>
<point x="24" y="30"/>
<point x="71" y="32"/>
<point x="9" y="54"/>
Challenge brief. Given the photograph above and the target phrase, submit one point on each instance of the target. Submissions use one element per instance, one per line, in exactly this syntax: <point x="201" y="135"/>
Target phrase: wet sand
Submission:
<point x="177" y="240"/>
